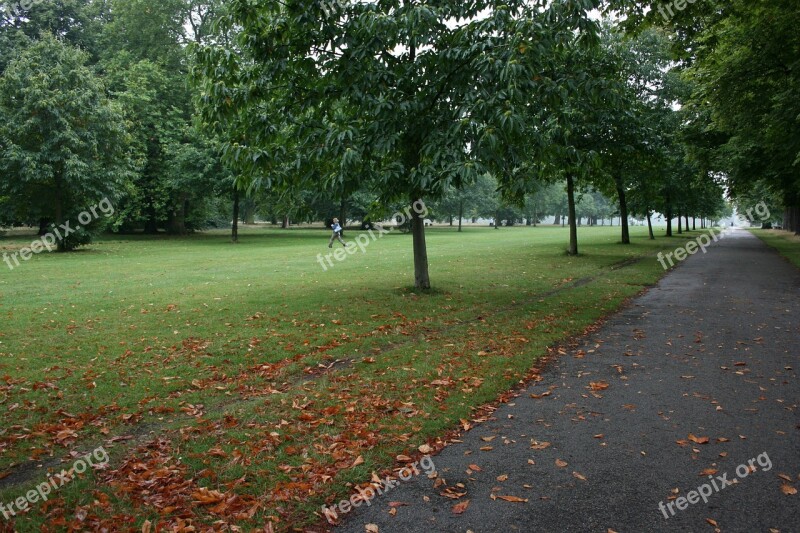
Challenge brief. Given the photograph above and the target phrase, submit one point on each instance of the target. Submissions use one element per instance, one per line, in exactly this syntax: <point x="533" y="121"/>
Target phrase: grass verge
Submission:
<point x="785" y="242"/>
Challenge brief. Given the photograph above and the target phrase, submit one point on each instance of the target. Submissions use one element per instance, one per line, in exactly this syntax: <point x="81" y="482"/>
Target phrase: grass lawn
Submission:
<point x="247" y="378"/>
<point x="785" y="242"/>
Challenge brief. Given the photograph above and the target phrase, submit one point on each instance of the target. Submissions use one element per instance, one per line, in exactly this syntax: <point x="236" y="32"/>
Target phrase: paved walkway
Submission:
<point x="712" y="353"/>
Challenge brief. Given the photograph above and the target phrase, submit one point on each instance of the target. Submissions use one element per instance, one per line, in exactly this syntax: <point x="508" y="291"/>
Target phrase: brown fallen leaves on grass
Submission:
<point x="152" y="478"/>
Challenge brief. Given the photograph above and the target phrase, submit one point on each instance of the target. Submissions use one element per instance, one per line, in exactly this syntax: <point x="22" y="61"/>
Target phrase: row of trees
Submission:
<point x="739" y="59"/>
<point x="180" y="110"/>
<point x="412" y="100"/>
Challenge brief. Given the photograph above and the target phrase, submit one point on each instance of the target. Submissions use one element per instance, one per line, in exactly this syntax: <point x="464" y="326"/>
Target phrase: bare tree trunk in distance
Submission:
<point x="343" y="213"/>
<point x="573" y="225"/>
<point x="235" y="225"/>
<point x="650" y="226"/>
<point x="623" y="211"/>
<point x="669" y="221"/>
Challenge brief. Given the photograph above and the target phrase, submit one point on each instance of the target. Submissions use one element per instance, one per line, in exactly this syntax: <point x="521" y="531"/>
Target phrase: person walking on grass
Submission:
<point x="337" y="234"/>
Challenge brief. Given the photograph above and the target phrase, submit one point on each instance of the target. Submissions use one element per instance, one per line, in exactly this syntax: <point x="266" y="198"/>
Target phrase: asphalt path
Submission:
<point x="690" y="387"/>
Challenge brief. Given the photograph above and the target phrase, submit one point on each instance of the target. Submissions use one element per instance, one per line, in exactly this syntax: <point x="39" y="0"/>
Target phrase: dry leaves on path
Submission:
<point x="460" y="507"/>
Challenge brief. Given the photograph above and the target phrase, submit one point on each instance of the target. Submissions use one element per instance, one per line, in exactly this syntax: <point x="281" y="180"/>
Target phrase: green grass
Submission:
<point x="251" y="371"/>
<point x="785" y="242"/>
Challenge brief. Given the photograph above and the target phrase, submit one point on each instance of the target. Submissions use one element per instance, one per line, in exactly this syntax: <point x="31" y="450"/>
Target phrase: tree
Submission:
<point x="144" y="60"/>
<point x="740" y="57"/>
<point x="569" y="116"/>
<point x="61" y="141"/>
<point x="74" y="22"/>
<point x="422" y="95"/>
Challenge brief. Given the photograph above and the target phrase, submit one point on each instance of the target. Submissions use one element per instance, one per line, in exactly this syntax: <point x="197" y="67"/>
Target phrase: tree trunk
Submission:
<point x="669" y="219"/>
<point x="235" y="225"/>
<point x="421" y="278"/>
<point x="557" y="220"/>
<point x="285" y="222"/>
<point x="151" y="224"/>
<point x="623" y="211"/>
<point x="343" y="213"/>
<point x="573" y="226"/>
<point x="59" y="208"/>
<point x="694" y="223"/>
<point x="680" y="224"/>
<point x="460" y="214"/>
<point x="248" y="211"/>
<point x="650" y="226"/>
<point x="177" y="217"/>
<point x="686" y="217"/>
<point x="796" y="219"/>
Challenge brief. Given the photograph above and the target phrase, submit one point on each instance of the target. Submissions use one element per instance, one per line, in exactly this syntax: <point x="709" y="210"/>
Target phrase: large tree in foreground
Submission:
<point x="417" y="96"/>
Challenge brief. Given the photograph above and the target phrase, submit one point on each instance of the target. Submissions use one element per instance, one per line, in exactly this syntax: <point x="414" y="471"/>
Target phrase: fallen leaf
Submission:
<point x="425" y="449"/>
<point x="147" y="526"/>
<point x="486" y="448"/>
<point x="712" y="522"/>
<point x="536" y="445"/>
<point x="502" y="478"/>
<point x="708" y="472"/>
<point x="371" y="528"/>
<point x="788" y="490"/>
<point x="204" y="496"/>
<point x="359" y="461"/>
<point x="560" y="463"/>
<point x="513" y="499"/>
<point x="698" y="440"/>
<point x="598" y="385"/>
<point x="476" y="468"/>
<point x="460" y="507"/>
<point x="579" y="476"/>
